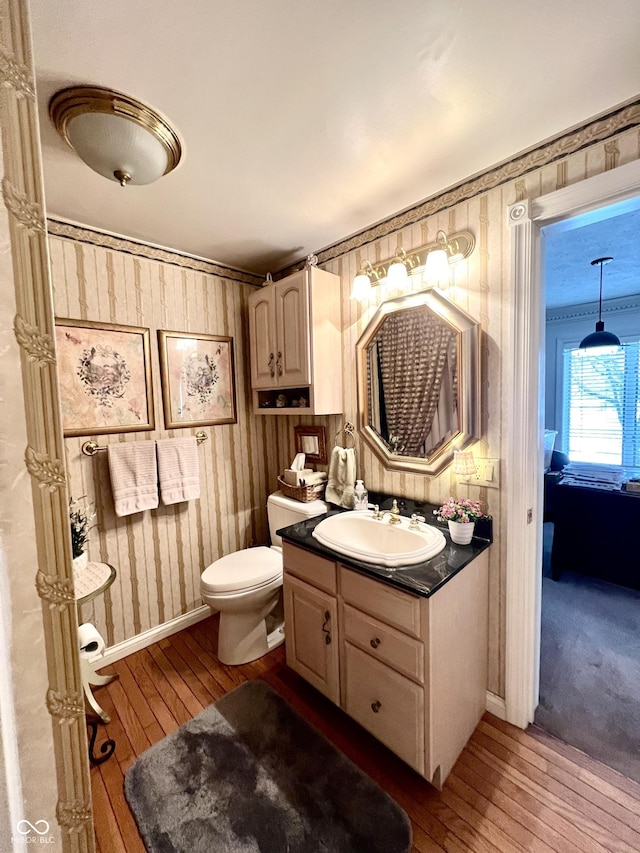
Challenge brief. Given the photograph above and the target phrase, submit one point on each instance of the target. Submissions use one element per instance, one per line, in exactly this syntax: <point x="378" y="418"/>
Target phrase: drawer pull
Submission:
<point x="375" y="706"/>
<point x="326" y="630"/>
<point x="375" y="642"/>
<point x="270" y="365"/>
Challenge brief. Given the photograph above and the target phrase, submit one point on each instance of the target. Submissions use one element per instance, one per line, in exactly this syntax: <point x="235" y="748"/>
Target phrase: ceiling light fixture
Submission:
<point x="394" y="272"/>
<point x="118" y="137"/>
<point x="600" y="338"/>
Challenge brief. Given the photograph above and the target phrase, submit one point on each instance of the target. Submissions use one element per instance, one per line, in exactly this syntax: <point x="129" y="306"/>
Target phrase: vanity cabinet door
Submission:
<point x="311" y="620"/>
<point x="262" y="334"/>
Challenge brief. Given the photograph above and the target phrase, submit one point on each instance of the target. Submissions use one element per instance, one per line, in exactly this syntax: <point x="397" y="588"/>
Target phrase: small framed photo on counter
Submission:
<point x="198" y="379"/>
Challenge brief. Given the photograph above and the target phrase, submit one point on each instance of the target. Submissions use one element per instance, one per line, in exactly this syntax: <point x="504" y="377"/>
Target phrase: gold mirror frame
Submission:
<point x="468" y="377"/>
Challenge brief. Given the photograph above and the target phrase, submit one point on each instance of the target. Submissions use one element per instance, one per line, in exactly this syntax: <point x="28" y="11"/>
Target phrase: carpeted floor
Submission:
<point x="249" y="774"/>
<point x="590" y="667"/>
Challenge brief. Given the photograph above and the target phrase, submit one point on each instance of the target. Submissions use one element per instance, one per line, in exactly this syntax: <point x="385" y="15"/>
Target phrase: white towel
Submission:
<point x="178" y="469"/>
<point x="342" y="477"/>
<point x="134" y="476"/>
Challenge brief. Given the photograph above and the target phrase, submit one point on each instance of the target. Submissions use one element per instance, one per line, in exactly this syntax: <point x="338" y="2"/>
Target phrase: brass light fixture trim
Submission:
<point x="74" y="101"/>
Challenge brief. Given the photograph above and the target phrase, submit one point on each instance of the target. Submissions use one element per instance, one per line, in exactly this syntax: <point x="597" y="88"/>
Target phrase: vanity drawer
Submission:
<point x="384" y="643"/>
<point x="386" y="704"/>
<point x="387" y="603"/>
<point x="318" y="571"/>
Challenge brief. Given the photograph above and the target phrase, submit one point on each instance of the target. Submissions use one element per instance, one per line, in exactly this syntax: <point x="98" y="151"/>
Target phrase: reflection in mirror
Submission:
<point x="310" y="445"/>
<point x="311" y="440"/>
<point x="418" y="382"/>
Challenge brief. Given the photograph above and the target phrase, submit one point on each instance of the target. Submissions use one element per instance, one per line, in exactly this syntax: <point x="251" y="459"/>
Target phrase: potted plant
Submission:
<point x="81" y="517"/>
<point x="461" y="515"/>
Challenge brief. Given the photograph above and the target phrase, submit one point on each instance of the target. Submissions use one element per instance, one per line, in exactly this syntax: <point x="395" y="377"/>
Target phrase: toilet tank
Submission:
<point x="282" y="512"/>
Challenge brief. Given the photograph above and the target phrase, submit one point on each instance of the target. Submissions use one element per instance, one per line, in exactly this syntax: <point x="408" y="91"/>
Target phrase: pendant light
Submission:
<point x="600" y="338"/>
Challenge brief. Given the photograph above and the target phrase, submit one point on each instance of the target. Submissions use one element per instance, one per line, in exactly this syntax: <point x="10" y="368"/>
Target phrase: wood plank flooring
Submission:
<point x="509" y="791"/>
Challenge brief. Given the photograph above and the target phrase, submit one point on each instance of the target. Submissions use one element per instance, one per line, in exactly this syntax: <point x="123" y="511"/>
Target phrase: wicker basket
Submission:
<point x="305" y="494"/>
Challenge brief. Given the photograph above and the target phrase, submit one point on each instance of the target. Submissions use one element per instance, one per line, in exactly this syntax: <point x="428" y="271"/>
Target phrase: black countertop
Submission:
<point x="420" y="579"/>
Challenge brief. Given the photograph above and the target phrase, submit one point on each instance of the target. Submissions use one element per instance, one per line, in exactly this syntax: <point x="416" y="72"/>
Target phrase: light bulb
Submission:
<point x="436" y="269"/>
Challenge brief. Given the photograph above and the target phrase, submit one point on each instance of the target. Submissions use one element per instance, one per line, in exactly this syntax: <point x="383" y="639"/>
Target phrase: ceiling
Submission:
<point x="305" y="122"/>
<point x="571" y="245"/>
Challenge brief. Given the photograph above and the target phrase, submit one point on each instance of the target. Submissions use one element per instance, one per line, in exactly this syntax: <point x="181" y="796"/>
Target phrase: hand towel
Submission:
<point x="178" y="469"/>
<point x="342" y="477"/>
<point x="134" y="476"/>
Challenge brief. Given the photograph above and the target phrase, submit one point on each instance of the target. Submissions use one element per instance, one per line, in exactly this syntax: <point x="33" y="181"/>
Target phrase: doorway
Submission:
<point x="590" y="619"/>
<point x="525" y="452"/>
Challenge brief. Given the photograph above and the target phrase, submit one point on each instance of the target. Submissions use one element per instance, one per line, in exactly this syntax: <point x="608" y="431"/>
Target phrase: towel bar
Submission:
<point x="90" y="448"/>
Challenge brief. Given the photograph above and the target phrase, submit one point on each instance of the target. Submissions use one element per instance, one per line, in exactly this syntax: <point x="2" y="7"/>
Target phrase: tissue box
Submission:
<point x="292" y="478"/>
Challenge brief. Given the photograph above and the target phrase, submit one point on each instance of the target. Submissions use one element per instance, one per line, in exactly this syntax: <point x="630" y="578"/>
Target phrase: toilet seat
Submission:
<point x="242" y="571"/>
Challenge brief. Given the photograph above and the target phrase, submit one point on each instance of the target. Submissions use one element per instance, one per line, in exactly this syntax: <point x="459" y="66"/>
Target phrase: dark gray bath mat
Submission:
<point x="250" y="774"/>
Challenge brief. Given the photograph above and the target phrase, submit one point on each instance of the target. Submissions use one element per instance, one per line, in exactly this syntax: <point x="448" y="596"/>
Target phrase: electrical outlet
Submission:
<point x="487" y="474"/>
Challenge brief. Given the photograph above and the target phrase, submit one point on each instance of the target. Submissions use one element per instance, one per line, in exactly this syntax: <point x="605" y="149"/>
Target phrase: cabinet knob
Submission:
<point x="375" y="706"/>
<point x="375" y="642"/>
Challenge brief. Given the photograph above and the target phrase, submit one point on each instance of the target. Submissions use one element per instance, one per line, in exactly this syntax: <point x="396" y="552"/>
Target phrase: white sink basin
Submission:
<point x="360" y="536"/>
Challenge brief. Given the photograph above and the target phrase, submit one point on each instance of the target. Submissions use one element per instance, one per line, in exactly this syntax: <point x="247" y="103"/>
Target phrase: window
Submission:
<point x="601" y="405"/>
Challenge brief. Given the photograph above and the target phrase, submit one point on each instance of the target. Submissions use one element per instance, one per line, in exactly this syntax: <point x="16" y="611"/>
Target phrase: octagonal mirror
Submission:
<point x="418" y="382"/>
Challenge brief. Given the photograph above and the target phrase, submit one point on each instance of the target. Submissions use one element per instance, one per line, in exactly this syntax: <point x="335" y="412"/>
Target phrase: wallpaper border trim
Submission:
<point x="83" y="234"/>
<point x="623" y="118"/>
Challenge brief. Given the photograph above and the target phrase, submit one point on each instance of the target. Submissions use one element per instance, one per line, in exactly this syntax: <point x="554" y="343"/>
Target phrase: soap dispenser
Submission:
<point x="360" y="496"/>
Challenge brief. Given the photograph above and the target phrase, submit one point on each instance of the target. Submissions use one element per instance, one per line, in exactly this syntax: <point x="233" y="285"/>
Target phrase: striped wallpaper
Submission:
<point x="160" y="554"/>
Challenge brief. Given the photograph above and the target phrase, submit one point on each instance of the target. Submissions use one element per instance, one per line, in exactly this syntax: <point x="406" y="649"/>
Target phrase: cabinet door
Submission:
<point x="262" y="337"/>
<point x="311" y="621"/>
<point x="292" y="323"/>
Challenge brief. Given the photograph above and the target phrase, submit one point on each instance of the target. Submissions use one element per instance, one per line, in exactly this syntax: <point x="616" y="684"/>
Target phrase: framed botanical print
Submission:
<point x="104" y="372"/>
<point x="198" y="379"/>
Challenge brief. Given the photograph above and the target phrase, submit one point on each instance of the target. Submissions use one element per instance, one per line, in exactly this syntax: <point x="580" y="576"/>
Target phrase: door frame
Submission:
<point x="526" y="417"/>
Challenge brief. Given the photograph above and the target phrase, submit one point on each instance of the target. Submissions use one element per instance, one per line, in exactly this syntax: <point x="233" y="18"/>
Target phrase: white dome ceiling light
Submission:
<point x="115" y="135"/>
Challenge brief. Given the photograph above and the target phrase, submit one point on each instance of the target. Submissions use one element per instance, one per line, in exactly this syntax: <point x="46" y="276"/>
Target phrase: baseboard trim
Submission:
<point x="147" y="638"/>
<point x="496" y="705"/>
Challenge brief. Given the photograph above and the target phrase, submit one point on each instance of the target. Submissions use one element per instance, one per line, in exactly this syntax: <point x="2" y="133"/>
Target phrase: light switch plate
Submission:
<point x="487" y="474"/>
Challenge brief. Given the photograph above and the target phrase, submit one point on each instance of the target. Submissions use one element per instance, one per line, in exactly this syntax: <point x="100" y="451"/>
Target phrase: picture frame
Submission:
<point x="312" y="441"/>
<point x="197" y="374"/>
<point x="104" y="372"/>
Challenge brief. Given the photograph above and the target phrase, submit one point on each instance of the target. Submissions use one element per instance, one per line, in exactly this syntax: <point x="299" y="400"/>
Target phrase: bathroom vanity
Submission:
<point x="403" y="651"/>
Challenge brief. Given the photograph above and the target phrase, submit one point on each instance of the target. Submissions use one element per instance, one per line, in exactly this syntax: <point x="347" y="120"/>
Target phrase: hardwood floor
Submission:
<point x="509" y="791"/>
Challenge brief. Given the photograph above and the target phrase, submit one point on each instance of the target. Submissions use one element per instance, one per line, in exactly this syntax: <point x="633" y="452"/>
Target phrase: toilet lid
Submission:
<point x="242" y="570"/>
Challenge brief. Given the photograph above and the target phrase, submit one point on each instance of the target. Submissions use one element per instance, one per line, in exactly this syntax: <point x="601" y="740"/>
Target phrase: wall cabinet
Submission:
<point x="295" y="343"/>
<point x="411" y="670"/>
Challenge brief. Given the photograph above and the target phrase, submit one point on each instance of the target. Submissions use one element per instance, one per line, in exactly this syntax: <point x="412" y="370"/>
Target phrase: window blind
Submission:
<point x="601" y="405"/>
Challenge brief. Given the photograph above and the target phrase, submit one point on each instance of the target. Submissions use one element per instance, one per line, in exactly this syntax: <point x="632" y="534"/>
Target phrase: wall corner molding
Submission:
<point x="65" y="707"/>
<point x="14" y="75"/>
<point x="38" y="347"/>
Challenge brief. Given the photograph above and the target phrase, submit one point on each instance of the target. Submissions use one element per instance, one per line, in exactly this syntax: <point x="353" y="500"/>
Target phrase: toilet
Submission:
<point x="246" y="587"/>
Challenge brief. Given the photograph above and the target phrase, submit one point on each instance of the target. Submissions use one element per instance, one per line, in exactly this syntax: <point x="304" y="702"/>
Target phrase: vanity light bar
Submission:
<point x="457" y="246"/>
